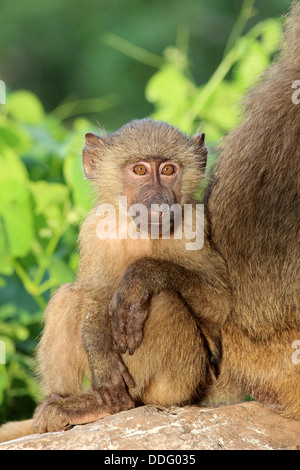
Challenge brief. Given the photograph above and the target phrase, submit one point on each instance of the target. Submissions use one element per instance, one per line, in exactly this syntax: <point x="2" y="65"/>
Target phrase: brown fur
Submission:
<point x="189" y="302"/>
<point x="254" y="224"/>
<point x="254" y="206"/>
<point x="15" y="429"/>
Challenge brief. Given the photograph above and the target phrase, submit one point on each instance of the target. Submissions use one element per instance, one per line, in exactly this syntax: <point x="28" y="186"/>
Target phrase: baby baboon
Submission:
<point x="144" y="315"/>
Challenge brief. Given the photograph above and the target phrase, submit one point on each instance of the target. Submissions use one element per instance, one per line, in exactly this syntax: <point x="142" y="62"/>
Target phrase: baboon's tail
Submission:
<point x="15" y="429"/>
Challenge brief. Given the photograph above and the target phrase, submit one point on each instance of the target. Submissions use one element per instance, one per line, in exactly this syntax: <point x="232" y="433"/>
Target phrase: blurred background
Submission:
<point x="73" y="66"/>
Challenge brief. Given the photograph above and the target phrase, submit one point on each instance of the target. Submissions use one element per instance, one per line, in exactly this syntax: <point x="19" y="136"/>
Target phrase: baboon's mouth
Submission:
<point x="155" y="223"/>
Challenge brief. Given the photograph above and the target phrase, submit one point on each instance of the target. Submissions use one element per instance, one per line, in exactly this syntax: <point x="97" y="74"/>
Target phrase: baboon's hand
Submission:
<point x="58" y="413"/>
<point x="128" y="309"/>
<point x="112" y="387"/>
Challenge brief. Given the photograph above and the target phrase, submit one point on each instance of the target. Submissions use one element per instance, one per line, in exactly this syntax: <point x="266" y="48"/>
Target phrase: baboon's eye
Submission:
<point x="167" y="170"/>
<point x="140" y="169"/>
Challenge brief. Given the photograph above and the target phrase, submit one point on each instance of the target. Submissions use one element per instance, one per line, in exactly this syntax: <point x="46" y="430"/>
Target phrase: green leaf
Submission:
<point x="51" y="201"/>
<point x="14" y="331"/>
<point x="25" y="107"/>
<point x="271" y="34"/>
<point x="8" y="342"/>
<point x="171" y="93"/>
<point x="16" y="217"/>
<point x="11" y="164"/>
<point x="219" y="109"/>
<point x="9" y="137"/>
<point x="15" y="135"/>
<point x="80" y="187"/>
<point x="60" y="272"/>
<point x="5" y="381"/>
<point x="47" y="195"/>
<point x="253" y="63"/>
<point x="6" y="267"/>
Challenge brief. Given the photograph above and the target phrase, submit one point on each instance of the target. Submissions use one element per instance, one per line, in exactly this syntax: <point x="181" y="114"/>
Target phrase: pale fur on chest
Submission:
<point x="104" y="261"/>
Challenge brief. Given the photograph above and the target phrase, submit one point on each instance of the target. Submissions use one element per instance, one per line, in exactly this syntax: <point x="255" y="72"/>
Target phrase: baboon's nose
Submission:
<point x="159" y="200"/>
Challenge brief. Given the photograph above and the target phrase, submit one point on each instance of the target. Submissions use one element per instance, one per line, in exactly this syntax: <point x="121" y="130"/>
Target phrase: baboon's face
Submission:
<point x="156" y="185"/>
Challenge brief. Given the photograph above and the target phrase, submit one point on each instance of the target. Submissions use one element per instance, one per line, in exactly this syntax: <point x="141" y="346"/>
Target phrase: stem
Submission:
<point x="34" y="287"/>
<point x="40" y="301"/>
<point x="51" y="247"/>
<point x="30" y="286"/>
<point x="211" y="86"/>
<point x="27" y="282"/>
<point x="133" y="51"/>
<point x="222" y="70"/>
<point x="46" y="286"/>
<point x="245" y="14"/>
<point x="183" y="39"/>
<point x="90" y="105"/>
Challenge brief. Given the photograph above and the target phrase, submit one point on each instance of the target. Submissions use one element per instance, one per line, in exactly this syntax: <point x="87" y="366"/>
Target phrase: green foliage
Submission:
<point x="44" y="196"/>
<point x="214" y="105"/>
<point x="214" y="108"/>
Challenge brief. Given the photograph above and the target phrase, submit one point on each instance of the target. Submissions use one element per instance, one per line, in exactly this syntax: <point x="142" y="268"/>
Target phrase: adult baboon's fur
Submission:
<point x="254" y="208"/>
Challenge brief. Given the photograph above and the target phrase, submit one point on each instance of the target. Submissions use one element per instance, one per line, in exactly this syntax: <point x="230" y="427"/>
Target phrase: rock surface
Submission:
<point x="246" y="426"/>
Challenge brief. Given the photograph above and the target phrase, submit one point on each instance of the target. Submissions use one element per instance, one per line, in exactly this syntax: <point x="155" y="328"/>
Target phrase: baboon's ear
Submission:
<point x="202" y="150"/>
<point x="90" y="154"/>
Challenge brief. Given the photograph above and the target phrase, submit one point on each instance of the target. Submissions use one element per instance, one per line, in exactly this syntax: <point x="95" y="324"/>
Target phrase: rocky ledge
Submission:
<point x="244" y="426"/>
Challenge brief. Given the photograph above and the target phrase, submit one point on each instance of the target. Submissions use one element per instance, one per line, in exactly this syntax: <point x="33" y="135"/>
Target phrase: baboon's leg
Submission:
<point x="62" y="364"/>
<point x="61" y="358"/>
<point x="172" y="365"/>
<point x="263" y="369"/>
